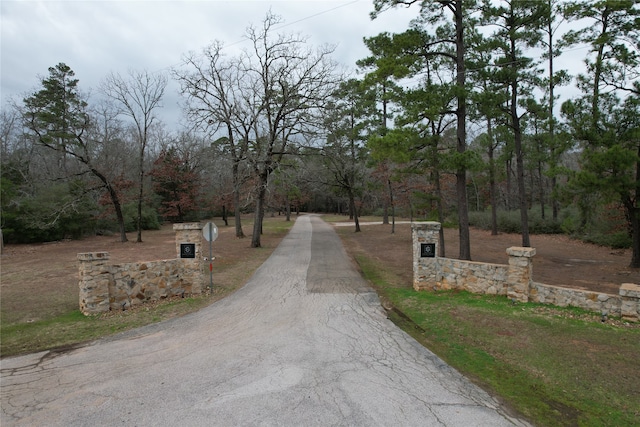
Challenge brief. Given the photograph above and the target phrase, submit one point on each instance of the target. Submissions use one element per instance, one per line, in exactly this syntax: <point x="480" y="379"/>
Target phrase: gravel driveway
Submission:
<point x="304" y="343"/>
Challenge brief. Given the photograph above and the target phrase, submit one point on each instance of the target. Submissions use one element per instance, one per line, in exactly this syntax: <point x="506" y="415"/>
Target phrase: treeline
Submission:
<point x="457" y="119"/>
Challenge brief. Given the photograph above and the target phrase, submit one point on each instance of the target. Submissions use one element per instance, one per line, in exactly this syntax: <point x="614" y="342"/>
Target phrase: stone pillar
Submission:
<point x="630" y="307"/>
<point x="94" y="282"/>
<point x="426" y="272"/>
<point x="193" y="276"/>
<point x="189" y="232"/>
<point x="520" y="273"/>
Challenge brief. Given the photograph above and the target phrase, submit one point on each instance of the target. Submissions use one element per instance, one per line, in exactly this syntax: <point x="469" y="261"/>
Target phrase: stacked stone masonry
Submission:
<point x="105" y="287"/>
<point x="513" y="280"/>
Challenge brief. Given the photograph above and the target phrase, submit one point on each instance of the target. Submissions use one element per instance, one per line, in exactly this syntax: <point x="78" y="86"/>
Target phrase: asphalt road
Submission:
<point x="304" y="343"/>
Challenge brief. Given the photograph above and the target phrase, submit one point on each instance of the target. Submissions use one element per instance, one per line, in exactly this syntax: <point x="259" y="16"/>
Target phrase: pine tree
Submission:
<point x="606" y="119"/>
<point x="57" y="114"/>
<point x="451" y="20"/>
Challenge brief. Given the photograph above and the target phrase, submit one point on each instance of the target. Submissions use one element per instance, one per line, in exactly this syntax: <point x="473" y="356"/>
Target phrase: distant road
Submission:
<point x="304" y="343"/>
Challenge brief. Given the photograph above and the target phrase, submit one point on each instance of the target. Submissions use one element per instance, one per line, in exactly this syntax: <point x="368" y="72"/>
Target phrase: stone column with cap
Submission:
<point x="190" y="233"/>
<point x="520" y="274"/>
<point x="425" y="237"/>
<point x="94" y="280"/>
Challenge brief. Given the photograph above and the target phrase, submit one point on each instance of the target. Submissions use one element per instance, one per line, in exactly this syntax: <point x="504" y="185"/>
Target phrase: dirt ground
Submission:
<point x="43" y="277"/>
<point x="41" y="280"/>
<point x="559" y="260"/>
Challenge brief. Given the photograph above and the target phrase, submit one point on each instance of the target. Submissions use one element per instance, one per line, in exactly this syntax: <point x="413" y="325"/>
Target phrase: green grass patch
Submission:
<point x="556" y="366"/>
<point x="73" y="327"/>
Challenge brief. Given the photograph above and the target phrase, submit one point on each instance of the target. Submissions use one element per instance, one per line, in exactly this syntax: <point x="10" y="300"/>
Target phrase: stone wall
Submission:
<point x="626" y="304"/>
<point x="105" y="286"/>
<point x="475" y="277"/>
<point x="513" y="280"/>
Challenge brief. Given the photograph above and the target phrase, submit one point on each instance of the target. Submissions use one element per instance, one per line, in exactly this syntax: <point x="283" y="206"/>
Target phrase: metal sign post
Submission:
<point x="210" y="233"/>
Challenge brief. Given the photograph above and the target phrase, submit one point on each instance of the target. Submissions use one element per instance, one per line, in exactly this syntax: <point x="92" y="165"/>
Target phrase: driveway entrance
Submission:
<point x="304" y="343"/>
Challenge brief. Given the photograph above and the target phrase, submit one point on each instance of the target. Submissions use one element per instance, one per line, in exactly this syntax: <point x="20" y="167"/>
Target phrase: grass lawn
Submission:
<point x="555" y="366"/>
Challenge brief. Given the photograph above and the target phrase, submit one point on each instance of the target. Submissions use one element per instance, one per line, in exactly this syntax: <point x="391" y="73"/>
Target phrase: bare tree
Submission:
<point x="292" y="82"/>
<point x="257" y="103"/>
<point x="137" y="96"/>
<point x="213" y="87"/>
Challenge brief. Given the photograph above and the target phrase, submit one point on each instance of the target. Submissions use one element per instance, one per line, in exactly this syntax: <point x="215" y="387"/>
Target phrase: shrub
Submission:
<point x="601" y="231"/>
<point x="509" y="222"/>
<point x="616" y="240"/>
<point x="150" y="220"/>
<point x="48" y="213"/>
<point x="480" y="220"/>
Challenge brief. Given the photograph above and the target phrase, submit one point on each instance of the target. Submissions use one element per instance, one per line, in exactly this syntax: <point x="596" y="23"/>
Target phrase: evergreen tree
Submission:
<point x="451" y="20"/>
<point x="606" y="118"/>
<point x="555" y="145"/>
<point x="344" y="153"/>
<point x="58" y="117"/>
<point x="519" y="24"/>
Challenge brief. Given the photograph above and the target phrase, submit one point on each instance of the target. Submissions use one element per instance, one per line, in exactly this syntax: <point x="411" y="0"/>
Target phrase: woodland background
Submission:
<point x="457" y="119"/>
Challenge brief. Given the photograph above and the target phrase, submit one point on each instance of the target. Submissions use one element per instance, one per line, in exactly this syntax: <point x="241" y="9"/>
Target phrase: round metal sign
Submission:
<point x="210" y="232"/>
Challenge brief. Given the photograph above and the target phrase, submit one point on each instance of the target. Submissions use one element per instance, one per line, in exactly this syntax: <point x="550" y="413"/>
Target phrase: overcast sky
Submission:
<point x="95" y="37"/>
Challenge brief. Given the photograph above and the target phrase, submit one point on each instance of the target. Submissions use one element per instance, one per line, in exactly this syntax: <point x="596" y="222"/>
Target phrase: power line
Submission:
<point x="284" y="25"/>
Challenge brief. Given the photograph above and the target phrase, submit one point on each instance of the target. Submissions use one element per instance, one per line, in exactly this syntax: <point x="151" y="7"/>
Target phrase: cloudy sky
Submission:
<point x="96" y="37"/>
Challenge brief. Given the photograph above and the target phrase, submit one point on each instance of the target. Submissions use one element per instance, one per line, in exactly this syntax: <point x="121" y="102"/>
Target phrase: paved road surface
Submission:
<point x="304" y="343"/>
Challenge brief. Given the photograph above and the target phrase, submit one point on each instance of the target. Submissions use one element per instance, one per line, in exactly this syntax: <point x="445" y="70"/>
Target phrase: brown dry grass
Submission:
<point x="40" y="281"/>
<point x="559" y="260"/>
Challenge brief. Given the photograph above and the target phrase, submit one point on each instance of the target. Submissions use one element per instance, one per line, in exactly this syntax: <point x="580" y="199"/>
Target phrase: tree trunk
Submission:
<point x="461" y="135"/>
<point x="508" y="182"/>
<point x="633" y="214"/>
<point x="119" y="215"/>
<point x="393" y="209"/>
<point x="541" y="188"/>
<point x="517" y="134"/>
<point x="522" y="194"/>
<point x="555" y="206"/>
<point x="140" y="194"/>
<point x="440" y="207"/>
<point x="492" y="181"/>
<point x="115" y="201"/>
<point x="236" y="200"/>
<point x="224" y="216"/>
<point x="259" y="214"/>
<point x="552" y="132"/>
<point x="257" y="223"/>
<point x="352" y="208"/>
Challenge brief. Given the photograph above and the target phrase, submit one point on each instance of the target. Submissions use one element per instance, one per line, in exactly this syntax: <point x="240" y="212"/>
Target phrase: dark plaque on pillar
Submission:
<point x="427" y="250"/>
<point x="187" y="250"/>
